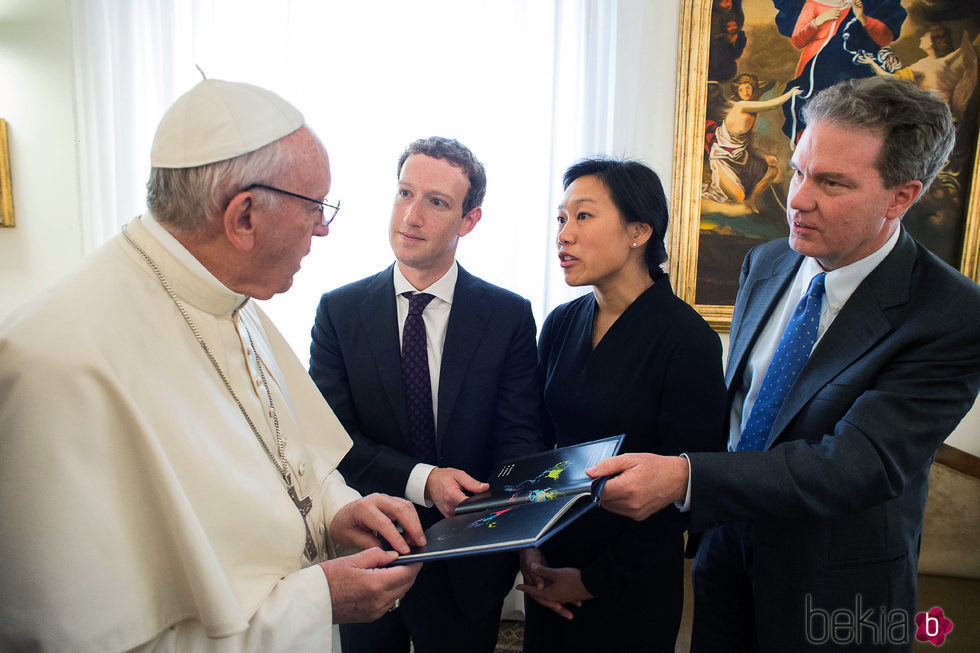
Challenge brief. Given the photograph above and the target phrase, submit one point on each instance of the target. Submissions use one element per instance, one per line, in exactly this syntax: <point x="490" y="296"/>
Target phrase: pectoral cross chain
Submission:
<point x="304" y="506"/>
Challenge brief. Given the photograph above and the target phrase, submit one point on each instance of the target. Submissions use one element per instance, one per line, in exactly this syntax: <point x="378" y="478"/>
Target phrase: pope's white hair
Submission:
<point x="186" y="199"/>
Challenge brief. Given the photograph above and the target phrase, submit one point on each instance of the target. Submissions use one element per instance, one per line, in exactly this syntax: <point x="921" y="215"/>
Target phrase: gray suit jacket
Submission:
<point x="837" y="497"/>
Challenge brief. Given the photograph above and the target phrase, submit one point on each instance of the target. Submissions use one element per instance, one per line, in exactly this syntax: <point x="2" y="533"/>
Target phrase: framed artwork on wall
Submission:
<point x="6" y="191"/>
<point x="746" y="67"/>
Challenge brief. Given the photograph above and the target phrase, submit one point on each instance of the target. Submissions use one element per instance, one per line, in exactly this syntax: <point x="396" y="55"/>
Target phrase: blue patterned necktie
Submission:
<point x="415" y="373"/>
<point x="791" y="355"/>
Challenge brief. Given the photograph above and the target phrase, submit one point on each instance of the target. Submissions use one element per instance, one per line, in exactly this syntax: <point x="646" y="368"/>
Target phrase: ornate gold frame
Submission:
<point x="685" y="207"/>
<point x="6" y="189"/>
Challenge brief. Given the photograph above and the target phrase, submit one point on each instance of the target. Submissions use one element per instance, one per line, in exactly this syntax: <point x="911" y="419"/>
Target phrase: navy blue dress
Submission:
<point x="656" y="375"/>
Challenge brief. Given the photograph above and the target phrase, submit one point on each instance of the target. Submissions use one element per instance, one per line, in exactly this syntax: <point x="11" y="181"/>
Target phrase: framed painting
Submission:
<point x="6" y="191"/>
<point x="746" y="67"/>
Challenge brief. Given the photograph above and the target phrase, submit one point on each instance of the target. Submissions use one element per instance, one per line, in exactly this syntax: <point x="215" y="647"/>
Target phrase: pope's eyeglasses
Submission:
<point x="323" y="204"/>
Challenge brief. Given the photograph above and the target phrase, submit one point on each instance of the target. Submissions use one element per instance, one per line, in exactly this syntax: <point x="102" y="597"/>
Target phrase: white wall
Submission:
<point x="967" y="434"/>
<point x="36" y="69"/>
<point x="36" y="66"/>
<point x="646" y="71"/>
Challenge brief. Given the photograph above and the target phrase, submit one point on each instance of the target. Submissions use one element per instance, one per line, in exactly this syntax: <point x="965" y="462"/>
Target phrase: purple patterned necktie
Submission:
<point x="415" y="373"/>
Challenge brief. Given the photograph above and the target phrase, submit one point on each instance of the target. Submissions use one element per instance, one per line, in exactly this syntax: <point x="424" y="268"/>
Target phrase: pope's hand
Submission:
<point x="360" y="522"/>
<point x="362" y="589"/>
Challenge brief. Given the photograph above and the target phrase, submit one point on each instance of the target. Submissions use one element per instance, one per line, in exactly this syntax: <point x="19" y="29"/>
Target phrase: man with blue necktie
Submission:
<point x="854" y="353"/>
<point x="433" y="372"/>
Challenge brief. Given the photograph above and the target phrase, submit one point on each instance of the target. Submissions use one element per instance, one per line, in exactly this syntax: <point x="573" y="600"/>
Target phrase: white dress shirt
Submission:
<point x="435" y="317"/>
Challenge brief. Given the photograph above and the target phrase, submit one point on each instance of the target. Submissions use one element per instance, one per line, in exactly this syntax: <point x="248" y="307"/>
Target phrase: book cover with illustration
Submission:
<point x="530" y="499"/>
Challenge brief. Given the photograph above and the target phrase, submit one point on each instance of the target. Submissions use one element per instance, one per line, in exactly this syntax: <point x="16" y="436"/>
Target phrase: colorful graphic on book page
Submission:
<point x="528" y="486"/>
<point x="490" y="521"/>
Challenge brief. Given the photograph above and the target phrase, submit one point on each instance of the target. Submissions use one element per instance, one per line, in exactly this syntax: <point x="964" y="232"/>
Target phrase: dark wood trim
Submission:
<point x="959" y="460"/>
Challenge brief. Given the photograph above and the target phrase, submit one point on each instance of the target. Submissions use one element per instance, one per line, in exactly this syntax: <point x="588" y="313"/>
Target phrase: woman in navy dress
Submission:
<point x="631" y="358"/>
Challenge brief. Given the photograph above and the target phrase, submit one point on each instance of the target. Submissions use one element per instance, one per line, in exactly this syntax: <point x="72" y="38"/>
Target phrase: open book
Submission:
<point x="530" y="499"/>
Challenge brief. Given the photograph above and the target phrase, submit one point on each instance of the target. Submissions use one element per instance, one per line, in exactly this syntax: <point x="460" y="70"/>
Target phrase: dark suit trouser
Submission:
<point x="724" y="603"/>
<point x="431" y="616"/>
<point x="595" y="630"/>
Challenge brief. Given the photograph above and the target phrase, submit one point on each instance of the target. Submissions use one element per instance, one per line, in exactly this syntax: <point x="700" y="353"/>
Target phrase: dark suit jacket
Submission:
<point x="488" y="388"/>
<point x="837" y="497"/>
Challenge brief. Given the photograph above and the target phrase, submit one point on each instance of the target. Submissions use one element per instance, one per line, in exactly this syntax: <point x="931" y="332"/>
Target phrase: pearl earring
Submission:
<point x="634" y="244"/>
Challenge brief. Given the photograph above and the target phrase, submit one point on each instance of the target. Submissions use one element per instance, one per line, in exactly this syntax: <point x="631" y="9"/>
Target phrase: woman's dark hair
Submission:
<point x="637" y="192"/>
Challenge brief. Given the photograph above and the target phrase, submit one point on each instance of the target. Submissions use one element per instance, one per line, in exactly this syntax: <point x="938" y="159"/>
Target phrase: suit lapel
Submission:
<point x="467" y="321"/>
<point x="859" y="325"/>
<point x="756" y="304"/>
<point x="379" y="321"/>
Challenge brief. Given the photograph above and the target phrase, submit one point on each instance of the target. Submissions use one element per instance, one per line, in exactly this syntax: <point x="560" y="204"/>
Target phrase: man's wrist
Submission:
<point x="415" y="487"/>
<point x="684" y="504"/>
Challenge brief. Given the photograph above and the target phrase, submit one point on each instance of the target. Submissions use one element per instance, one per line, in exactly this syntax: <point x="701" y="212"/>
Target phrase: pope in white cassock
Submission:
<point x="169" y="470"/>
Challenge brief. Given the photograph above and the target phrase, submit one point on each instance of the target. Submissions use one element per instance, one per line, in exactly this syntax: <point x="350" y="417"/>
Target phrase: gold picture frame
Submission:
<point x="6" y="189"/>
<point x="702" y="246"/>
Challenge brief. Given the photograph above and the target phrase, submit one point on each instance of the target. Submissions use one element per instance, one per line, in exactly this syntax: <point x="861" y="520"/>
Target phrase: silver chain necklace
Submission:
<point x="305" y="504"/>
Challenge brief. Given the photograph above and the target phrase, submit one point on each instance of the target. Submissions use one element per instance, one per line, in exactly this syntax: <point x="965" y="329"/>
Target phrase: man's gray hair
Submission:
<point x="187" y="198"/>
<point x="915" y="125"/>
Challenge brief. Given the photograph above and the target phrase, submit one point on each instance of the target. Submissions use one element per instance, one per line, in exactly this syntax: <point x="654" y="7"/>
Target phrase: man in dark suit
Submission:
<point x="814" y="515"/>
<point x="433" y="373"/>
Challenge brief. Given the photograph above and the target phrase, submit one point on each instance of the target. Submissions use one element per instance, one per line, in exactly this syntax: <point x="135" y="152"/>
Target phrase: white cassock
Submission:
<point x="137" y="508"/>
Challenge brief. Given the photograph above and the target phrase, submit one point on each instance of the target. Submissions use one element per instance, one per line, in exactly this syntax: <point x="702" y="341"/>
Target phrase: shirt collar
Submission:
<point x="841" y="283"/>
<point x="443" y="289"/>
<point x="172" y="245"/>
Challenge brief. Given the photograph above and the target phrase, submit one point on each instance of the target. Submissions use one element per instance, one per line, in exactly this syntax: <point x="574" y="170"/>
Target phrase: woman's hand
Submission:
<point x="551" y="587"/>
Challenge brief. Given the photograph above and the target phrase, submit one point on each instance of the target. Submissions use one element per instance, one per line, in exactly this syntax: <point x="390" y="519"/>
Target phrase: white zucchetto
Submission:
<point x="218" y="120"/>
